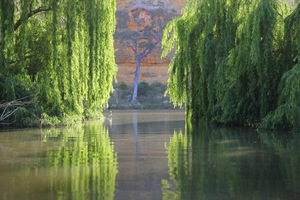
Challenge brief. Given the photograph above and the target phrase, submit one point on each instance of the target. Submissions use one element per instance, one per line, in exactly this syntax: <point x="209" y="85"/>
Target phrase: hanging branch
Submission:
<point x="30" y="14"/>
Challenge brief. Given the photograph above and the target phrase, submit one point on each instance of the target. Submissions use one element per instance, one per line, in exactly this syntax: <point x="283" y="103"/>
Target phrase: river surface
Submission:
<point x="148" y="155"/>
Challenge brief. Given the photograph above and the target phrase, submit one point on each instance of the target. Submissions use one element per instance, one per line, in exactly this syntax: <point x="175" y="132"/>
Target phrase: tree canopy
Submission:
<point x="60" y="53"/>
<point x="236" y="62"/>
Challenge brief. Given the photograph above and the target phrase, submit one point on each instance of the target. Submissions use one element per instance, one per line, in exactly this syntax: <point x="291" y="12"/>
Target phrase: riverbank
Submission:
<point x="150" y="96"/>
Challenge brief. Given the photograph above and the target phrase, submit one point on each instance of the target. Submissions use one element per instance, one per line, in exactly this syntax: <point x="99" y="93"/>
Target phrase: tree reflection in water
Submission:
<point x="208" y="163"/>
<point x="78" y="163"/>
<point x="84" y="166"/>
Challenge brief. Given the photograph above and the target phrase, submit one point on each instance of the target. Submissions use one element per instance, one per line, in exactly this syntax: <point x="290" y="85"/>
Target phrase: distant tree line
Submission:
<point x="60" y="54"/>
<point x="237" y="62"/>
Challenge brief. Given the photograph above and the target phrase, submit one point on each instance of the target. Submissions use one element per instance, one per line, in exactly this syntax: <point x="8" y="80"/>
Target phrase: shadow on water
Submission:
<point x="75" y="163"/>
<point x="222" y="163"/>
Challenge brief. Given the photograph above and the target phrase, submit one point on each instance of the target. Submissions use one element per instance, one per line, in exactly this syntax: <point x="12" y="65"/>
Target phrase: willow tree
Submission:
<point x="287" y="113"/>
<point x="59" y="51"/>
<point x="229" y="59"/>
<point x="203" y="37"/>
<point x="254" y="61"/>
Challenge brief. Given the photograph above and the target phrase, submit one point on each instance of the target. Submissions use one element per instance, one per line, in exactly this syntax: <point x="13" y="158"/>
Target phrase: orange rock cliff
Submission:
<point x="153" y="68"/>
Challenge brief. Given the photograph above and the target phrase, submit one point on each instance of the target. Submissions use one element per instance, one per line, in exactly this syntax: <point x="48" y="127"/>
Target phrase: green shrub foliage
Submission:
<point x="59" y="51"/>
<point x="236" y="62"/>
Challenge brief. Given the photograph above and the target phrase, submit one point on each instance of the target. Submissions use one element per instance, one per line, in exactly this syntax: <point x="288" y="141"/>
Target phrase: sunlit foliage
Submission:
<point x="60" y="52"/>
<point x="236" y="62"/>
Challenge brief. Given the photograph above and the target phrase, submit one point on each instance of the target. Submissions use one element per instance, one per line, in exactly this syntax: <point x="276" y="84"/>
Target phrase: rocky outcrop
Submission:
<point x="129" y="14"/>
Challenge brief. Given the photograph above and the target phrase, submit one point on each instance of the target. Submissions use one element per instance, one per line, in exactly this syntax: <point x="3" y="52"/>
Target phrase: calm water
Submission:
<point x="148" y="155"/>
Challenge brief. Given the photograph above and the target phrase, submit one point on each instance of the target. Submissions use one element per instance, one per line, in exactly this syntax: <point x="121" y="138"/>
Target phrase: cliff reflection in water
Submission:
<point x="75" y="163"/>
<point x="209" y="163"/>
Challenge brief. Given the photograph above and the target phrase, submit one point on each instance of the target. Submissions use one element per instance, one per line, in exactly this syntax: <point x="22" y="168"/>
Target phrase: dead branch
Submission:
<point x="16" y="104"/>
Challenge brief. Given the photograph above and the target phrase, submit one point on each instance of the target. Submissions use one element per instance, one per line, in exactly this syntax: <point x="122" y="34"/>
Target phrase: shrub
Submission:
<point x="157" y="87"/>
<point x="123" y="86"/>
<point x="143" y="88"/>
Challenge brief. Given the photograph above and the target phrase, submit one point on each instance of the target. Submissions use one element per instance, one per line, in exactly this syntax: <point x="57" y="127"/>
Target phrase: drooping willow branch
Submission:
<point x="30" y="14"/>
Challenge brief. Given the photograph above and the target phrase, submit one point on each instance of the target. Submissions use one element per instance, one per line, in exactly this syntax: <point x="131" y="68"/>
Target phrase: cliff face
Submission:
<point x="173" y="4"/>
<point x="134" y="17"/>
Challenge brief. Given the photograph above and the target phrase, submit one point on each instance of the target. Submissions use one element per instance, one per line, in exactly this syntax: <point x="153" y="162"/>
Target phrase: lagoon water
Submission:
<point x="148" y="155"/>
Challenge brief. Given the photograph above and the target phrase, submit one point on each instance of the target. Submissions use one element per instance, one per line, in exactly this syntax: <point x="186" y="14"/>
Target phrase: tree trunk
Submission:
<point x="136" y="81"/>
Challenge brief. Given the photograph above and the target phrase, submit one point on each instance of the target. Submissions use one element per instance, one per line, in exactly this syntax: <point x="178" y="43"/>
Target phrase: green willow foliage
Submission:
<point x="236" y="62"/>
<point x="59" y="51"/>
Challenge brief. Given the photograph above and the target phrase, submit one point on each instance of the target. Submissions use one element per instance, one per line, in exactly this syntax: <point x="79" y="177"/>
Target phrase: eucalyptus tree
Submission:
<point x="149" y="19"/>
<point x="60" y="51"/>
<point x="231" y="62"/>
